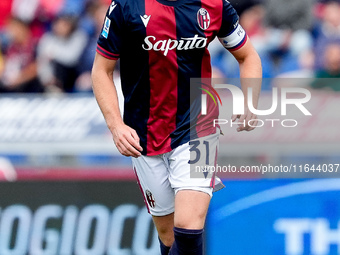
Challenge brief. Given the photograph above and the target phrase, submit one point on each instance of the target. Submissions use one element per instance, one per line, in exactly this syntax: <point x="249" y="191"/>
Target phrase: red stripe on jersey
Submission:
<point x="106" y="53"/>
<point x="109" y="53"/>
<point x="106" y="56"/>
<point x="163" y="72"/>
<point x="214" y="8"/>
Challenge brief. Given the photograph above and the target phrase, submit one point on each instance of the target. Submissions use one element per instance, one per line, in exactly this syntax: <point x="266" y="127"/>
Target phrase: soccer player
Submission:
<point x="161" y="45"/>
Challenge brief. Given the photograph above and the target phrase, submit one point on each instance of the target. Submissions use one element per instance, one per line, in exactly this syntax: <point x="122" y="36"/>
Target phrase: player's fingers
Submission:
<point x="241" y="123"/>
<point x="247" y="119"/>
<point x="129" y="147"/>
<point x="121" y="149"/>
<point x="250" y="128"/>
<point x="136" y="138"/>
<point x="241" y="128"/>
<point x="242" y="119"/>
<point x="234" y="117"/>
<point x="134" y="143"/>
<point x="134" y="134"/>
<point x="252" y="123"/>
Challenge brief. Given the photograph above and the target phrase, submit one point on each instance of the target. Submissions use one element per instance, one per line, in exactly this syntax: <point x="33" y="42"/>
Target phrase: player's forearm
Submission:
<point x="106" y="96"/>
<point x="251" y="76"/>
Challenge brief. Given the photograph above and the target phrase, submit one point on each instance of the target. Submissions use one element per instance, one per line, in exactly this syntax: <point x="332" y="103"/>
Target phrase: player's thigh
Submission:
<point x="193" y="189"/>
<point x="152" y="176"/>
<point x="191" y="208"/>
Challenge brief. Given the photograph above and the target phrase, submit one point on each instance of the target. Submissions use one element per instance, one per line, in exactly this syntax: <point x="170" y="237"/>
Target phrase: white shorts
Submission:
<point x="160" y="177"/>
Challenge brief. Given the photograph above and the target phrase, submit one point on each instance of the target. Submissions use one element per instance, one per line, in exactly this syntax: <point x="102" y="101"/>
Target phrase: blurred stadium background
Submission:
<point x="66" y="190"/>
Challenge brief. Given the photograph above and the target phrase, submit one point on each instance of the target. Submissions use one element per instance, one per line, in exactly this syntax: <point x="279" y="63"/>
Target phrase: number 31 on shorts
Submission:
<point x="203" y="155"/>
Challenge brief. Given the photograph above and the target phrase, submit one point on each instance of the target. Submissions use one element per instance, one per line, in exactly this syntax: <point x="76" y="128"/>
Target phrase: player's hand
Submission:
<point x="127" y="141"/>
<point x="247" y="121"/>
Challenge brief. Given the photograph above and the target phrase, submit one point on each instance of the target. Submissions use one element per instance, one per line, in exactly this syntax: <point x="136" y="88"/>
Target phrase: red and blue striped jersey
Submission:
<point x="162" y="45"/>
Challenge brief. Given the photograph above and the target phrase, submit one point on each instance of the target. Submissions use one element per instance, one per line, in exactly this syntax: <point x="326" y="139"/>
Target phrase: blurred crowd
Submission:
<point x="294" y="38"/>
<point x="49" y="46"/>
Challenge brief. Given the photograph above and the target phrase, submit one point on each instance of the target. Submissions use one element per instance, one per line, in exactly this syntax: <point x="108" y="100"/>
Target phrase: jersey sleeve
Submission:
<point x="231" y="34"/>
<point x="110" y="40"/>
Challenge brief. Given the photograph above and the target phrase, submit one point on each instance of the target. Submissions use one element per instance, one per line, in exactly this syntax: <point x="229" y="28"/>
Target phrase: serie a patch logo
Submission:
<point x="106" y="28"/>
<point x="203" y="18"/>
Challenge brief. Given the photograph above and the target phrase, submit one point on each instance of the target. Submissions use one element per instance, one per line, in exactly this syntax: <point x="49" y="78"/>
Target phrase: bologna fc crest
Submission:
<point x="203" y="18"/>
<point x="150" y="198"/>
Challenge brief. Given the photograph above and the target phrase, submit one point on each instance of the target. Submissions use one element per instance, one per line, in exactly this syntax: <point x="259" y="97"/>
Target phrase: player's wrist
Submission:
<point x="114" y="125"/>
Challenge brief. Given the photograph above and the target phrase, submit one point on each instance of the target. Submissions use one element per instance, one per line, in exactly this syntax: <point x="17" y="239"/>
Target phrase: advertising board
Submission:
<point x="267" y="217"/>
<point x="81" y="218"/>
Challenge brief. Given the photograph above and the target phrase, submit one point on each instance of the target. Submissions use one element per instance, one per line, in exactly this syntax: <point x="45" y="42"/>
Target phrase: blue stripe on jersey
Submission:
<point x="189" y="66"/>
<point x="230" y="20"/>
<point x="135" y="76"/>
